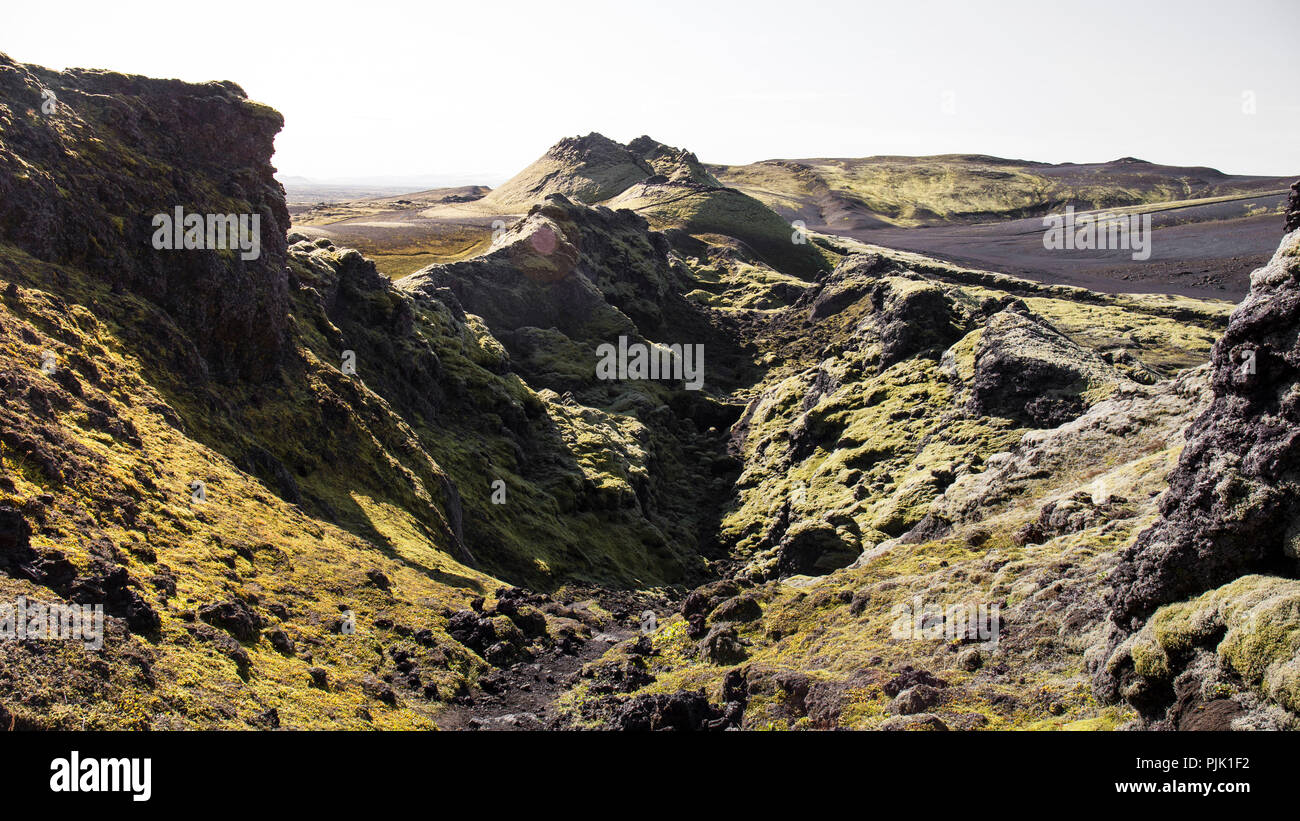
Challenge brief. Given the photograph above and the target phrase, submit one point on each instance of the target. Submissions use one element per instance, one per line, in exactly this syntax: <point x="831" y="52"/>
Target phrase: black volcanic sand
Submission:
<point x="1198" y="251"/>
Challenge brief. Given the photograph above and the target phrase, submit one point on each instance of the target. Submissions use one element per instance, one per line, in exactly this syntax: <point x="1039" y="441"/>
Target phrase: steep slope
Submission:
<point x="562" y="282"/>
<point x="148" y="390"/>
<point x="1222" y="562"/>
<point x="203" y="147"/>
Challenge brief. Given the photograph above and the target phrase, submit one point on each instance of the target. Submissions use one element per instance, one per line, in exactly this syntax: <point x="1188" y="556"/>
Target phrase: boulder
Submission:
<point x="1028" y="371"/>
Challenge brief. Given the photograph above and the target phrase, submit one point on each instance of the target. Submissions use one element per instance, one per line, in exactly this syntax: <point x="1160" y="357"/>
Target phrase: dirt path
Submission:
<point x="523" y="697"/>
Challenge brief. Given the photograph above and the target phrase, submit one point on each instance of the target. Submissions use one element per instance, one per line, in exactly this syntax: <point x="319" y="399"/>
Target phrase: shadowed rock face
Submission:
<point x="1234" y="501"/>
<point x="543" y="274"/>
<point x="1221" y="562"/>
<point x="83" y="173"/>
<point x="1028" y="371"/>
<point x="1293" y="208"/>
<point x="913" y="320"/>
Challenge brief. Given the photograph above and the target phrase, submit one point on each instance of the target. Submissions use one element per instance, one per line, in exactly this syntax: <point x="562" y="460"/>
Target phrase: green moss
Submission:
<point x="1253" y="624"/>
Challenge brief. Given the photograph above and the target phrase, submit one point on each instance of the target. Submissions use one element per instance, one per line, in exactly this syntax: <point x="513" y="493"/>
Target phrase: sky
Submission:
<point x="474" y="91"/>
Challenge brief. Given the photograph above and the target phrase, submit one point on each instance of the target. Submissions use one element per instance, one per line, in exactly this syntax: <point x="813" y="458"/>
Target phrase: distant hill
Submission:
<point x="669" y="186"/>
<point x="301" y="191"/>
<point x="969" y="188"/>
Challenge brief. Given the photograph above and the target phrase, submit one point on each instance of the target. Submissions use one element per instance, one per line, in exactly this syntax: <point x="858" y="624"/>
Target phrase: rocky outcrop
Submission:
<point x="1233" y="505"/>
<point x="1028" y="371"/>
<point x="914" y="317"/>
<point x="670" y="711"/>
<point x="674" y="165"/>
<point x="542" y="276"/>
<point x="1229" y="531"/>
<point x="90" y="157"/>
<point x="589" y="169"/>
<point x="590" y="274"/>
<point x="814" y="548"/>
<point x="1145" y="417"/>
<point x="1293" y="208"/>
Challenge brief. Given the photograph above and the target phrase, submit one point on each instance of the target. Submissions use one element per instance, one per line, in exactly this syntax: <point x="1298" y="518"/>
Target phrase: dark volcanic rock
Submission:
<point x="702" y="600"/>
<point x="472" y="629"/>
<point x="722" y="645"/>
<point x="814" y="549"/>
<point x="128" y="148"/>
<point x="1028" y="371"/>
<point x="918" y="722"/>
<point x="738" y="608"/>
<point x="910" y="677"/>
<point x="235" y="617"/>
<point x="618" y="676"/>
<point x="912" y="318"/>
<point x="495" y="634"/>
<point x="514" y="603"/>
<point x="669" y="711"/>
<point x="115" y="589"/>
<point x="1070" y="515"/>
<point x="281" y="641"/>
<point x="1233" y="505"/>
<point x="15" y="541"/>
<point x="919" y="699"/>
<point x="853" y="279"/>
<point x="103" y="582"/>
<point x="1293" y="208"/>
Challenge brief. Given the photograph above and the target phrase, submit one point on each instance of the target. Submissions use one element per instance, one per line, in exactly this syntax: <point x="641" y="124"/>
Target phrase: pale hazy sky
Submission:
<point x="482" y="88"/>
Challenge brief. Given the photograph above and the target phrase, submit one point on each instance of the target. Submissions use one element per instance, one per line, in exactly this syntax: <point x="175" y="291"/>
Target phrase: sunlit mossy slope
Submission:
<point x="306" y="496"/>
